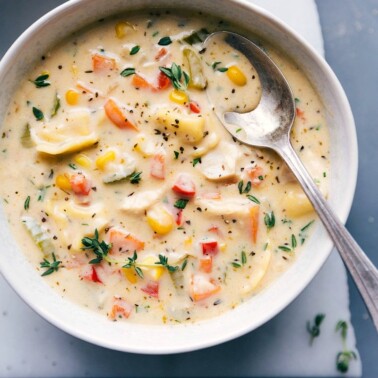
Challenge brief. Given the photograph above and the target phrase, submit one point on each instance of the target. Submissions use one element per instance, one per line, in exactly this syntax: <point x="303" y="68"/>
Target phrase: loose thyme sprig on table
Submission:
<point x="314" y="329"/>
<point x="344" y="357"/>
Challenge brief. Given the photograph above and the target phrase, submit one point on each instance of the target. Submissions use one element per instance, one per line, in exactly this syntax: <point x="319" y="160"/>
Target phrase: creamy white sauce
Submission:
<point x="82" y="140"/>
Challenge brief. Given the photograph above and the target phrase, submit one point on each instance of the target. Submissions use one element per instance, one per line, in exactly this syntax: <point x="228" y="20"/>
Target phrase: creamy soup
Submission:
<point x="123" y="188"/>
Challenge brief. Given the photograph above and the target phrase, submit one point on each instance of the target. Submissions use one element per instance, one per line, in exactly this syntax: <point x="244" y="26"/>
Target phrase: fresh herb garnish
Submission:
<point x="293" y="241"/>
<point x="284" y="248"/>
<point x="40" y="81"/>
<point x="314" y="329"/>
<point x="134" y="50"/>
<point x="215" y="64"/>
<point x="128" y="71"/>
<point x="307" y="225"/>
<point x="269" y="220"/>
<point x="197" y="37"/>
<point x="183" y="266"/>
<point x="179" y="78"/>
<point x="222" y="69"/>
<point x="72" y="166"/>
<point x="163" y="260"/>
<point x="181" y="203"/>
<point x="133" y="264"/>
<point x="344" y="357"/>
<point x="176" y="154"/>
<point x="42" y="193"/>
<point x="56" y="106"/>
<point x="247" y="188"/>
<point x="27" y="203"/>
<point x="196" y="161"/>
<point x="135" y="177"/>
<point x="50" y="266"/>
<point x="253" y="199"/>
<point x="38" y="114"/>
<point x="99" y="248"/>
<point x="243" y="259"/>
<point x="165" y="41"/>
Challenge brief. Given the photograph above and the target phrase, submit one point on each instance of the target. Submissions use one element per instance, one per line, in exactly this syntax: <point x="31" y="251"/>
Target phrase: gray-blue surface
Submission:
<point x="351" y="46"/>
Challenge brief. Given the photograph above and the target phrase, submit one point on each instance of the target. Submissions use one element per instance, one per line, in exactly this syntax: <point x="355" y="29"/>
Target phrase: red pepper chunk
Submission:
<point x="210" y="247"/>
<point x="184" y="186"/>
<point x="152" y="289"/>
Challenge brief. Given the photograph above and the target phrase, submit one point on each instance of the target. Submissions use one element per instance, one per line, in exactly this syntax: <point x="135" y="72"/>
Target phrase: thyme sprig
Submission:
<point x="99" y="248"/>
<point x="132" y="264"/>
<point x="50" y="267"/>
<point x="179" y="78"/>
<point x="163" y="261"/>
<point x="344" y="357"/>
<point x="40" y="81"/>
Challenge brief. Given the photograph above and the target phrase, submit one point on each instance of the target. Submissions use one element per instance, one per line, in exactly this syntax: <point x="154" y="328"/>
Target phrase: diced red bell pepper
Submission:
<point x="210" y="247"/>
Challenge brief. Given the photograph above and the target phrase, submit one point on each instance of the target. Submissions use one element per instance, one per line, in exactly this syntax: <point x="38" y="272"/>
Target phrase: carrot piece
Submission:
<point x="80" y="184"/>
<point x="163" y="81"/>
<point x="202" y="287"/>
<point x="124" y="242"/>
<point x="116" y="115"/>
<point x="300" y="114"/>
<point x="256" y="174"/>
<point x="254" y="216"/>
<point x="103" y="63"/>
<point x="194" y="107"/>
<point x="140" y="82"/>
<point x="120" y="308"/>
<point x="206" y="264"/>
<point x="161" y="53"/>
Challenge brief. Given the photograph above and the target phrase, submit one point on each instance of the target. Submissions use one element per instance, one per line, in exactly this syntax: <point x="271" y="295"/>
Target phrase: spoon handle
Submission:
<point x="364" y="273"/>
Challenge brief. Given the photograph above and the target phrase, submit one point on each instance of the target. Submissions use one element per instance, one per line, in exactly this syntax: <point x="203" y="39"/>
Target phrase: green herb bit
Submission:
<point x="314" y="329"/>
<point x="285" y="248"/>
<point x="163" y="260"/>
<point x="165" y="41"/>
<point x="243" y="258"/>
<point x="181" y="203"/>
<point x="184" y="264"/>
<point x="307" y="225"/>
<point x="293" y="241"/>
<point x="222" y="69"/>
<point x="56" y="106"/>
<point x="128" y="71"/>
<point x="344" y="357"/>
<point x="176" y="154"/>
<point x="179" y="78"/>
<point x="133" y="264"/>
<point x="135" y="177"/>
<point x="40" y="81"/>
<point x="27" y="203"/>
<point x="50" y="267"/>
<point x="155" y="34"/>
<point x="236" y="264"/>
<point x="270" y="220"/>
<point x="196" y="161"/>
<point x="134" y="50"/>
<point x="215" y="64"/>
<point x="42" y="193"/>
<point x="99" y="248"/>
<point x="247" y="188"/>
<point x="253" y="199"/>
<point x="297" y="100"/>
<point x="26" y="139"/>
<point x="72" y="166"/>
<point x="38" y="114"/>
<point x="197" y="37"/>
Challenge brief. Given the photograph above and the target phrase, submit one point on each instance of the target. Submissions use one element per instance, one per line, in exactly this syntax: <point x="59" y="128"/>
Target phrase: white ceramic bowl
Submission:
<point x="128" y="337"/>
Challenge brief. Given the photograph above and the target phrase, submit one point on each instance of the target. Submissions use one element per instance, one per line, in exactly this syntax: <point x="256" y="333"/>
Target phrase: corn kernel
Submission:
<point x="222" y="246"/>
<point x="154" y="272"/>
<point x="72" y="97"/>
<point x="83" y="160"/>
<point x="236" y="76"/>
<point x="159" y="219"/>
<point x="130" y="275"/>
<point x="121" y="28"/>
<point x="143" y="146"/>
<point x="104" y="159"/>
<point x="179" y="97"/>
<point x="188" y="242"/>
<point x="63" y="182"/>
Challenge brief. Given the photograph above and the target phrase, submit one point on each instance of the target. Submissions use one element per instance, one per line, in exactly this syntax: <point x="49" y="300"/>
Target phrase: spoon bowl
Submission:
<point x="269" y="125"/>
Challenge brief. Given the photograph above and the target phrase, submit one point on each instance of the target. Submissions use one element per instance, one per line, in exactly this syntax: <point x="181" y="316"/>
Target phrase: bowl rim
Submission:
<point x="30" y="34"/>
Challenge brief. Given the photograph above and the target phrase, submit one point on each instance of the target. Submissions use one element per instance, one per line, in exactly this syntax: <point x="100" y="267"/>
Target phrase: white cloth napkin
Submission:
<point x="30" y="346"/>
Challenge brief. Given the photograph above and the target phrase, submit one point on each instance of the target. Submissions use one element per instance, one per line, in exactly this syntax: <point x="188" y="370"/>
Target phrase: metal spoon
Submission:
<point x="269" y="126"/>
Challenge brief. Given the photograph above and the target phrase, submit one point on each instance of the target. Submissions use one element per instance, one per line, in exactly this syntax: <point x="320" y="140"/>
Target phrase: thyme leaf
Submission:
<point x="50" y="267"/>
<point x="99" y="248"/>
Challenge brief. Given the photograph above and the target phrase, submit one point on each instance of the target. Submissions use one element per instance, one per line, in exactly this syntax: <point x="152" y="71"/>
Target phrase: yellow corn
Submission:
<point x="83" y="160"/>
<point x="188" y="242"/>
<point x="222" y="246"/>
<point x="63" y="182"/>
<point x="159" y="219"/>
<point x="143" y="146"/>
<point x="236" y="76"/>
<point x="74" y="70"/>
<point x="130" y="275"/>
<point x="154" y="272"/>
<point x="179" y="97"/>
<point x="104" y="159"/>
<point x="72" y="97"/>
<point x="121" y="27"/>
